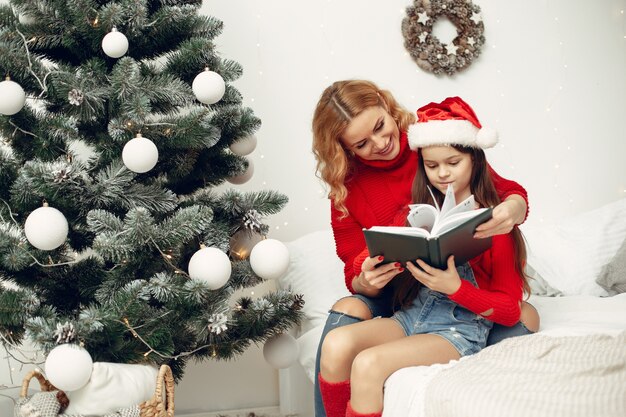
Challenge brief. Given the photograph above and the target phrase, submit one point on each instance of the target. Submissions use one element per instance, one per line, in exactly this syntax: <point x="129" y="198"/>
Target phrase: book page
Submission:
<point x="449" y="201"/>
<point x="468" y="204"/>
<point x="454" y="220"/>
<point x="401" y="230"/>
<point x="430" y="190"/>
<point x="422" y="215"/>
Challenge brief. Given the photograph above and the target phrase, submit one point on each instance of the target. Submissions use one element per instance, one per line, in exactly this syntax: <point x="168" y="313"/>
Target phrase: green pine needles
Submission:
<point x="118" y="284"/>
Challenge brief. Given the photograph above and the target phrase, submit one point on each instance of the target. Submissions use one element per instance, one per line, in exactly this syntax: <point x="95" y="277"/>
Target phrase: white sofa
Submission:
<point x="578" y="261"/>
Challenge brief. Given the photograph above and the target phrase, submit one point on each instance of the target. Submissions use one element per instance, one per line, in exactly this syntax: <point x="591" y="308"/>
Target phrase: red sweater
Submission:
<point x="499" y="284"/>
<point x="378" y="195"/>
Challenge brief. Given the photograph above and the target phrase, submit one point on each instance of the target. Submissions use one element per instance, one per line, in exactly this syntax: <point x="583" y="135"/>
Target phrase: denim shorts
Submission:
<point x="380" y="306"/>
<point x="434" y="313"/>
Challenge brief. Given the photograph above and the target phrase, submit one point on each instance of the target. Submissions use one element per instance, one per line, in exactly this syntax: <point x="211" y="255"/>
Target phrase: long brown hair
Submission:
<point x="338" y="105"/>
<point x="481" y="185"/>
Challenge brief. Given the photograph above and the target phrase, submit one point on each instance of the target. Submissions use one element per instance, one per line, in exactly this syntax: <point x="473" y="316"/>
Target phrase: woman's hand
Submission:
<point x="505" y="215"/>
<point x="445" y="281"/>
<point x="373" y="279"/>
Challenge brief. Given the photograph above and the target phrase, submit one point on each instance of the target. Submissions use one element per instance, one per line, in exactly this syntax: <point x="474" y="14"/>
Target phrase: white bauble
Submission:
<point x="140" y="154"/>
<point x="244" y="146"/>
<point x="209" y="87"/>
<point x="13" y="97"/>
<point x="46" y="228"/>
<point x="281" y="351"/>
<point x="26" y="19"/>
<point x="243" y="177"/>
<point x="115" y="44"/>
<point x="68" y="367"/>
<point x="269" y="259"/>
<point x="210" y="265"/>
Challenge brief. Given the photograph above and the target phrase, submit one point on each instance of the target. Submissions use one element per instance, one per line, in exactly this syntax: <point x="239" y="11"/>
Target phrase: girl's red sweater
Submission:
<point x="378" y="195"/>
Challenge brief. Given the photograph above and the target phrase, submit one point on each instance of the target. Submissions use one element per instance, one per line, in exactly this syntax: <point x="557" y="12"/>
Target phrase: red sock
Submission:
<point x="335" y="396"/>
<point x="351" y="413"/>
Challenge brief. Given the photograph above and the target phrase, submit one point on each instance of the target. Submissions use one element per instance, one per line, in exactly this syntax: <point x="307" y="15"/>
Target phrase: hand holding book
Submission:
<point x="446" y="281"/>
<point x="434" y="234"/>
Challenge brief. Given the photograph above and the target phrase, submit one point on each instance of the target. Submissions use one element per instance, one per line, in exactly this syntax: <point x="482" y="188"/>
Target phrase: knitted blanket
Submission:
<point x="535" y="375"/>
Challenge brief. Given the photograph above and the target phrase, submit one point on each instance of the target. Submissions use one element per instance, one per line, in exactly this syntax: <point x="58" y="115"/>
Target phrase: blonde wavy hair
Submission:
<point x="338" y="105"/>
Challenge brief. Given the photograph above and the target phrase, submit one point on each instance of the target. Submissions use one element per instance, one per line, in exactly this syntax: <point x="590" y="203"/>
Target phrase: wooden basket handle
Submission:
<point x="43" y="383"/>
<point x="166" y="380"/>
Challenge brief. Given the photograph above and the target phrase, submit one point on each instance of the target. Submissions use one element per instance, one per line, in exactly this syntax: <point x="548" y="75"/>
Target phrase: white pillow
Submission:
<point x="113" y="386"/>
<point x="307" y="345"/>
<point x="315" y="271"/>
<point x="570" y="253"/>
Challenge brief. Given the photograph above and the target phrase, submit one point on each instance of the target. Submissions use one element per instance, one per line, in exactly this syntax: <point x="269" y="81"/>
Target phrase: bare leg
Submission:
<point x="530" y="317"/>
<point x="343" y="344"/>
<point x="344" y="312"/>
<point x="353" y="307"/>
<point x="373" y="366"/>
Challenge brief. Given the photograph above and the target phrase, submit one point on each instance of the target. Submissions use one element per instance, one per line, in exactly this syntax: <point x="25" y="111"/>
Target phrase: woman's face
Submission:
<point x="372" y="135"/>
<point x="445" y="165"/>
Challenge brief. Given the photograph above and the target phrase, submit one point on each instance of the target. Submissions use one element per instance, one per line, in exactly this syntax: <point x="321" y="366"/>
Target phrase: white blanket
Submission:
<point x="538" y="376"/>
<point x="560" y="316"/>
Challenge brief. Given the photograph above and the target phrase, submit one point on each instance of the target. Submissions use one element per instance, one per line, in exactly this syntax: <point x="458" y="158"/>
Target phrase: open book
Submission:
<point x="435" y="233"/>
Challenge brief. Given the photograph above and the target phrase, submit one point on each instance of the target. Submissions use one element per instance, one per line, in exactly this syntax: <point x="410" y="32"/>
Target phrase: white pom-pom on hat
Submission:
<point x="486" y="137"/>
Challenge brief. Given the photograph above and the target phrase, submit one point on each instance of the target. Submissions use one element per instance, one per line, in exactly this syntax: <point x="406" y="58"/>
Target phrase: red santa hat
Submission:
<point x="451" y="122"/>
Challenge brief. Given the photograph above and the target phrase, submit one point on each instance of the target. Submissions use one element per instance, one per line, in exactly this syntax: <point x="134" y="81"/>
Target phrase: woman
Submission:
<point x="360" y="143"/>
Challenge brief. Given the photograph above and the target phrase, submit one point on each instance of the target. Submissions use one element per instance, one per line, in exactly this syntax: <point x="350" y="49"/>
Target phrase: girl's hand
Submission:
<point x="445" y="281"/>
<point x="373" y="278"/>
<point x="505" y="215"/>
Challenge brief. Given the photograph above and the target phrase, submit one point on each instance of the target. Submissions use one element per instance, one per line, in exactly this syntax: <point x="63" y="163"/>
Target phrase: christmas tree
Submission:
<point x="117" y="121"/>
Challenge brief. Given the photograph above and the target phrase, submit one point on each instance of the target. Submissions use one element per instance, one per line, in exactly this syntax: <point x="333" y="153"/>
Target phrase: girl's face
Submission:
<point x="372" y="135"/>
<point x="445" y="165"/>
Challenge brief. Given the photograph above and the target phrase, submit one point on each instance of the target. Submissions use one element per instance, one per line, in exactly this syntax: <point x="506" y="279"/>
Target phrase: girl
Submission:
<point x="360" y="143"/>
<point x="443" y="314"/>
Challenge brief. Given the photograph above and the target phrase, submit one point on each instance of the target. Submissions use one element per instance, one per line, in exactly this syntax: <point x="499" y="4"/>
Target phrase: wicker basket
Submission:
<point x="160" y="405"/>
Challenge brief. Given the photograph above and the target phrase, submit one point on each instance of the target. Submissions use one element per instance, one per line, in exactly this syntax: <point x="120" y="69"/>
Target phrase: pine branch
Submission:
<point x="13" y="254"/>
<point x="101" y="221"/>
<point x="113" y="247"/>
<point x="115" y="187"/>
<point x="8" y="173"/>
<point x="185" y="225"/>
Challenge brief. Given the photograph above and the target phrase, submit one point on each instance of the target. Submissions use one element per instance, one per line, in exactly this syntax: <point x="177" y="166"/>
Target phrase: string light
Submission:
<point x="162" y="355"/>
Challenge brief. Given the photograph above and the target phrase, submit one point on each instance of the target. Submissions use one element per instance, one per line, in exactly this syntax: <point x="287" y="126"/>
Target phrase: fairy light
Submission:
<point x="163" y="355"/>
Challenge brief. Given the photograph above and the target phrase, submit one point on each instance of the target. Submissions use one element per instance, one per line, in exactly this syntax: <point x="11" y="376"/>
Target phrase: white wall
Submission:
<point x="550" y="78"/>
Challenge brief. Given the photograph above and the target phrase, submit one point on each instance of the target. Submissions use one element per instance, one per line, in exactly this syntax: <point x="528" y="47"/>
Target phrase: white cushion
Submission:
<point x="113" y="386"/>
<point x="307" y="344"/>
<point x="315" y="271"/>
<point x="570" y="253"/>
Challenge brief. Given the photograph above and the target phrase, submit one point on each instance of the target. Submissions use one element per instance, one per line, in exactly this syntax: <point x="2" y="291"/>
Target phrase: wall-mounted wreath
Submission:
<point x="427" y="51"/>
